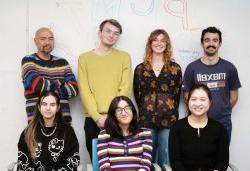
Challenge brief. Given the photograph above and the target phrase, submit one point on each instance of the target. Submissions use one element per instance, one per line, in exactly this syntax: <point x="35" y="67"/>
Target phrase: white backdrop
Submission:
<point x="75" y="24"/>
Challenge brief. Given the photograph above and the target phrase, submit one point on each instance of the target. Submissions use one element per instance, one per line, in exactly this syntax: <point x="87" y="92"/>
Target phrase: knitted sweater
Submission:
<point x="101" y="78"/>
<point x="58" y="151"/>
<point x="42" y="75"/>
<point x="130" y="153"/>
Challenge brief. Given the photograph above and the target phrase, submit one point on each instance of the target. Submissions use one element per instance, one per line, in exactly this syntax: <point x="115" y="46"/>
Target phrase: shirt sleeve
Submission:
<point x="147" y="150"/>
<point x="34" y="84"/>
<point x="222" y="160"/>
<point x="70" y="158"/>
<point x="24" y="161"/>
<point x="126" y="80"/>
<point x="87" y="96"/>
<point x="234" y="81"/>
<point x="102" y="151"/>
<point x="67" y="87"/>
<point x="188" y="78"/>
<point x="137" y="85"/>
<point x="175" y="150"/>
<point x="178" y="84"/>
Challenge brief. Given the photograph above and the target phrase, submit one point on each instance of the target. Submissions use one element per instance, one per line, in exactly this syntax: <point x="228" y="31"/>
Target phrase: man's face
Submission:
<point x="211" y="43"/>
<point x="109" y="35"/>
<point x="44" y="41"/>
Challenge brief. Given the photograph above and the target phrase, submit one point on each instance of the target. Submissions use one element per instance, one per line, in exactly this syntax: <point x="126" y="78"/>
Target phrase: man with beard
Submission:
<point x="218" y="74"/>
<point x="42" y="72"/>
<point x="104" y="73"/>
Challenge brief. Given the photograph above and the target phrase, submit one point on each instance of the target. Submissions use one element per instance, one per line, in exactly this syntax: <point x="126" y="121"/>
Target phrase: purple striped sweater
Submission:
<point x="130" y="153"/>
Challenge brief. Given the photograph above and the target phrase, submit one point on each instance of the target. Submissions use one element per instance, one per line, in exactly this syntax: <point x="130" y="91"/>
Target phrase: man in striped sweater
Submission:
<point x="42" y="71"/>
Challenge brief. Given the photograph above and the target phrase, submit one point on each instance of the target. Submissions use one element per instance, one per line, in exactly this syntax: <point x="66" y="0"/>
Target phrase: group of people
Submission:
<point x="127" y="140"/>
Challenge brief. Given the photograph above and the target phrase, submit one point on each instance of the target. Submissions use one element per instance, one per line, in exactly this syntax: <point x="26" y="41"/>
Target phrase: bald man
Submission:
<point x="42" y="71"/>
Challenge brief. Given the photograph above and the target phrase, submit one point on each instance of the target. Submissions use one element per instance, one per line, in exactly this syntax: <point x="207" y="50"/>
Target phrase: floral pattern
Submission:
<point x="157" y="98"/>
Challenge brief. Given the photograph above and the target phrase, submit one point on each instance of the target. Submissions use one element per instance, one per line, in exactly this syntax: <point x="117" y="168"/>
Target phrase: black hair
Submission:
<point x="196" y="87"/>
<point x="111" y="124"/>
<point x="211" y="30"/>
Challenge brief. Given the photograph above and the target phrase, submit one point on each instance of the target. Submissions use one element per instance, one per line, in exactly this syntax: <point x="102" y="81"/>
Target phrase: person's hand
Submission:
<point x="101" y="121"/>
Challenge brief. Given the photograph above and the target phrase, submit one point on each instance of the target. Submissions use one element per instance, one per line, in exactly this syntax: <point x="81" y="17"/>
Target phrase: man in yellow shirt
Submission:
<point x="104" y="73"/>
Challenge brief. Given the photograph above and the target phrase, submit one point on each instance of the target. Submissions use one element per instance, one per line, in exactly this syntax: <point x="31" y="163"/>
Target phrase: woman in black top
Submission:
<point x="198" y="143"/>
<point x="47" y="143"/>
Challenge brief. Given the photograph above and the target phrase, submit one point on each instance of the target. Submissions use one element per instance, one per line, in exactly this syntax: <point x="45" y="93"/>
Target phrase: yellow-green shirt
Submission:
<point x="101" y="78"/>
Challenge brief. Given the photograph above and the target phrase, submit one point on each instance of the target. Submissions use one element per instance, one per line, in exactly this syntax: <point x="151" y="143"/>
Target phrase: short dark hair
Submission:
<point x="111" y="124"/>
<point x="112" y="22"/>
<point x="196" y="87"/>
<point x="211" y="30"/>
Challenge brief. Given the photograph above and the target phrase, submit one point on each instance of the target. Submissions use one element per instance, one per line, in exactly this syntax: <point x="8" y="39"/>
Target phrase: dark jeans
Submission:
<point x="91" y="131"/>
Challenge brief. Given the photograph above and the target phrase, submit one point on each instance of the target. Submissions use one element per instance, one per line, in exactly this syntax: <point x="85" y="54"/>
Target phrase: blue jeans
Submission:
<point x="160" y="146"/>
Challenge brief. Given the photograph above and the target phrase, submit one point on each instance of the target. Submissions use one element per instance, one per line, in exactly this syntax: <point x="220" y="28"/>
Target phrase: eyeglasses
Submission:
<point x="126" y="109"/>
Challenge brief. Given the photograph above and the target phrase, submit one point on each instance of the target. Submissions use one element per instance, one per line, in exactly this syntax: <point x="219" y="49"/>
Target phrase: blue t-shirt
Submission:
<point x="220" y="78"/>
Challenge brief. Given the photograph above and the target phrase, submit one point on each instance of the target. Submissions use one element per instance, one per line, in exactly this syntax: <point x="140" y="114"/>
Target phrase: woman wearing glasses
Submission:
<point x="122" y="145"/>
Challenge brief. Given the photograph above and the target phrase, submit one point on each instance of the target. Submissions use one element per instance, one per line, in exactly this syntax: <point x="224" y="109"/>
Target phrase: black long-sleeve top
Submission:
<point x="190" y="151"/>
<point x="59" y="151"/>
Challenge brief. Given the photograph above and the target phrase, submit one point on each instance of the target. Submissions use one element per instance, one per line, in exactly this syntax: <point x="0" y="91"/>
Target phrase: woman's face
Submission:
<point x="123" y="113"/>
<point x="158" y="45"/>
<point x="48" y="108"/>
<point x="199" y="103"/>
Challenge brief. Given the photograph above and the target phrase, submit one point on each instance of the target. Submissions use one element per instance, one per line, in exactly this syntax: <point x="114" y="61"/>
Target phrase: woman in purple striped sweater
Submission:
<point x="122" y="145"/>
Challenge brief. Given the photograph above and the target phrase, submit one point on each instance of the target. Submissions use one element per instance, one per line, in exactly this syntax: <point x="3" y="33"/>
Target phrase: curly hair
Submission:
<point x="167" y="54"/>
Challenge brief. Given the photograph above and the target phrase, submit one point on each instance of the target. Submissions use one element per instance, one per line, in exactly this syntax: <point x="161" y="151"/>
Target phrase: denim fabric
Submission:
<point x="160" y="146"/>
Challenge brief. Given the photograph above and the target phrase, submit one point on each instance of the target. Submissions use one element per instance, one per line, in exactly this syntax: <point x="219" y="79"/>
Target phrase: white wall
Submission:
<point x="75" y="23"/>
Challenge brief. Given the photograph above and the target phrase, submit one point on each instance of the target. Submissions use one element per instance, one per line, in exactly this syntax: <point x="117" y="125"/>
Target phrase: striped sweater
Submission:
<point x="40" y="76"/>
<point x="130" y="153"/>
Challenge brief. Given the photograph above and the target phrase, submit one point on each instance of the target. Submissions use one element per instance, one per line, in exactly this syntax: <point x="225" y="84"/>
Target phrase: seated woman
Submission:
<point x="122" y="145"/>
<point x="47" y="143"/>
<point x="198" y="143"/>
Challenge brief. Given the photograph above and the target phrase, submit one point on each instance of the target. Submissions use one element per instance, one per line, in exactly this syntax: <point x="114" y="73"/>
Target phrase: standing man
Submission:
<point x="104" y="73"/>
<point x="219" y="75"/>
<point x="42" y="71"/>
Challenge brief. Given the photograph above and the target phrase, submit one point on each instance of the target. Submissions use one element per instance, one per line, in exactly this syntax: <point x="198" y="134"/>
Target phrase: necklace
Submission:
<point x="48" y="135"/>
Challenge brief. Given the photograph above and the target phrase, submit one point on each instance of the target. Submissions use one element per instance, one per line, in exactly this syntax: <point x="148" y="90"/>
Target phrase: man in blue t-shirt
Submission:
<point x="219" y="75"/>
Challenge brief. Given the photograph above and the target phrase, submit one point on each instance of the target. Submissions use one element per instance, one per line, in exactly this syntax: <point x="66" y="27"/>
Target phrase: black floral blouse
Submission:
<point x="157" y="98"/>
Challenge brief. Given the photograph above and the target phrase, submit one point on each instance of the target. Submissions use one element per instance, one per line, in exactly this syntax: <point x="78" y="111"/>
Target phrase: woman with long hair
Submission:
<point x="123" y="145"/>
<point x="198" y="142"/>
<point x="47" y="143"/>
<point x="157" y="88"/>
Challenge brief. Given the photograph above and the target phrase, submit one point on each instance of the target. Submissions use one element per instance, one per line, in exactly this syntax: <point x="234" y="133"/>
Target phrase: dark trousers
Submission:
<point x="91" y="131"/>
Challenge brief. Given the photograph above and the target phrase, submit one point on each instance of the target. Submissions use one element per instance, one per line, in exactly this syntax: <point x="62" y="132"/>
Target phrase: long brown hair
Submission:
<point x="37" y="122"/>
<point x="167" y="54"/>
